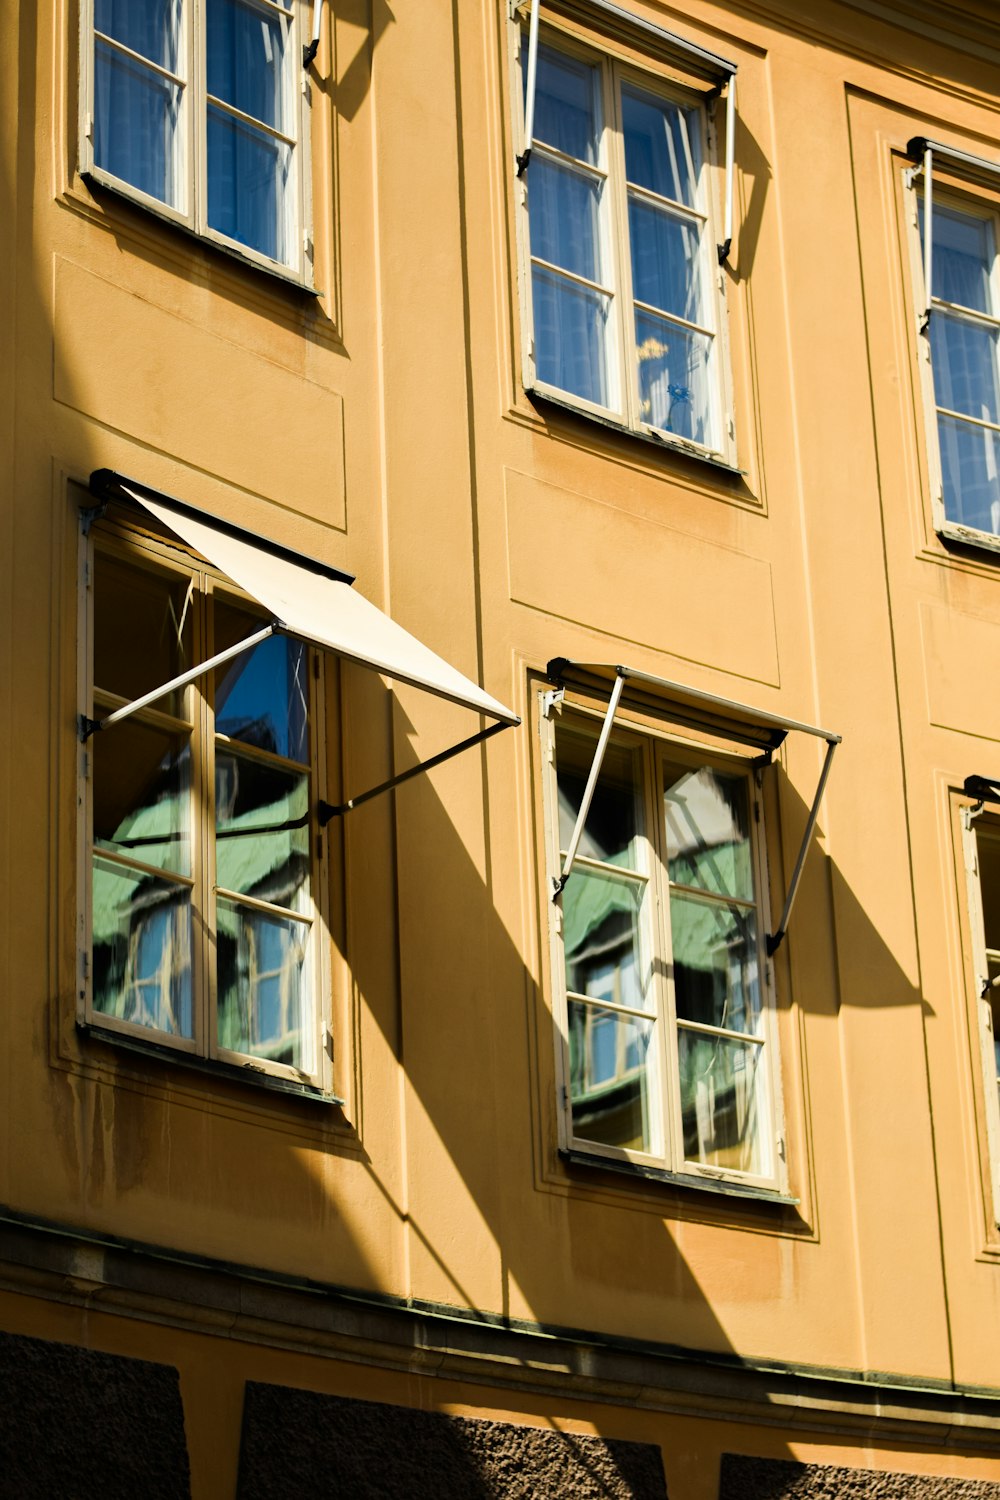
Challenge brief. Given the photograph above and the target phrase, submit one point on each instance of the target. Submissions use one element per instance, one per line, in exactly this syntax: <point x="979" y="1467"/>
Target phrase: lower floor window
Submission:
<point x="202" y="920"/>
<point x="664" y="1013"/>
<point x="982" y="831"/>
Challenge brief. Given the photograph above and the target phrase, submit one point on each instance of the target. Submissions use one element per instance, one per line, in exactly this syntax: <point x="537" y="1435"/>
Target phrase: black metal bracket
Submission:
<point x="522" y="161"/>
<point x="309" y="52"/>
<point x="91" y="513"/>
<point x="88" y="727"/>
<point x="983" y="788"/>
<point x="328" y="810"/>
<point x="724" y="250"/>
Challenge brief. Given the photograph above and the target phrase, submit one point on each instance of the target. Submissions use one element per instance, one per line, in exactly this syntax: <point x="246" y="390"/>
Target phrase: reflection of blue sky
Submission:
<point x="266" y="687"/>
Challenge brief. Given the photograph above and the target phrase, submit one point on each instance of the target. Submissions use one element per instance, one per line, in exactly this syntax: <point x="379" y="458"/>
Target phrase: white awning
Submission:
<point x="689" y="708"/>
<point x="307" y="600"/>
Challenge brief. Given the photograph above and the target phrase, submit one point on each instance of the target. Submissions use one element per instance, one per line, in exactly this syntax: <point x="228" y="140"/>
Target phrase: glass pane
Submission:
<point x="142" y="631"/>
<point x="611" y="831"/>
<point x="261" y="984"/>
<point x="708" y="830"/>
<point x="969" y="473"/>
<point x="571" y="335"/>
<point x="715" y="964"/>
<point x="963" y="254"/>
<point x="245" y="64"/>
<point x="262" y="820"/>
<point x="610" y="1087"/>
<point x="149" y="27"/>
<point x="566" y="108"/>
<point x="964" y="359"/>
<point x="564" y="209"/>
<point x="141" y="808"/>
<point x="988" y="851"/>
<point x="141" y="949"/>
<point x="993" y="971"/>
<point x="720" y="1103"/>
<point x="665" y="270"/>
<point x="249" y="186"/>
<point x="601" y="938"/>
<point x="674" y="385"/>
<point x="261" y="696"/>
<point x="662" y="146"/>
<point x="136" y="117"/>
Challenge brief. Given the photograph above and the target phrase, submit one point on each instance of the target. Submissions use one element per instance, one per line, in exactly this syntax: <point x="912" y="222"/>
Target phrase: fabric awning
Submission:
<point x="305" y="599"/>
<point x="688" y="708"/>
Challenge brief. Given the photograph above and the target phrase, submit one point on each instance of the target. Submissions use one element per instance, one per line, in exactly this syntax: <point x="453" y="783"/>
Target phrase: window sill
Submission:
<point x="229" y="1072"/>
<point x="664" y="445"/>
<point x="953" y="535"/>
<point x="720" y="1186"/>
<point x="98" y="185"/>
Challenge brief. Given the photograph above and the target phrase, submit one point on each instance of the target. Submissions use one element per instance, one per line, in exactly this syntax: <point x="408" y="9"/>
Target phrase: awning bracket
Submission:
<point x="529" y="102"/>
<point x="727" y="230"/>
<point x="326" y="811"/>
<point x="90" y="726"/>
<point x="311" y="48"/>
<point x="983" y="788"/>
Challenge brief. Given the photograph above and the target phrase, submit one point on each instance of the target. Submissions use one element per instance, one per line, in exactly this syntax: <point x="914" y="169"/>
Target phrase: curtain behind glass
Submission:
<point x="137" y="112"/>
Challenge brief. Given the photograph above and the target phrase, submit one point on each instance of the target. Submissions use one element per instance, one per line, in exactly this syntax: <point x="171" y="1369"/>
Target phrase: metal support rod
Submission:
<point x="928" y="234"/>
<point x="90" y="726"/>
<point x="309" y="51"/>
<point x="727" y="230"/>
<point x="529" y="102"/>
<point x="327" y="810"/>
<point x="588" y="792"/>
<point x="775" y="939"/>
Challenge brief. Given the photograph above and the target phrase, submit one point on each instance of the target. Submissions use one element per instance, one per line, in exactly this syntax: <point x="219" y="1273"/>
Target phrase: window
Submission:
<point x="982" y="847"/>
<point x="663" y="1003"/>
<point x="622" y="287"/>
<point x="193" y="107"/>
<point x="203" y="910"/>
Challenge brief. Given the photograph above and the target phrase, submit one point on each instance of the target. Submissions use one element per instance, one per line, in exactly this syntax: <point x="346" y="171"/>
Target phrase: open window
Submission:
<point x="196" y="109"/>
<point x="203" y="779"/>
<point x="619" y="228"/>
<point x="661" y="927"/>
<point x="955" y="220"/>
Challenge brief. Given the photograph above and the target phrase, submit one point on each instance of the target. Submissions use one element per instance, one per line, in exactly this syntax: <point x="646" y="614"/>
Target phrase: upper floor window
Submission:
<point x="622" y="285"/>
<point x="193" y="107"/>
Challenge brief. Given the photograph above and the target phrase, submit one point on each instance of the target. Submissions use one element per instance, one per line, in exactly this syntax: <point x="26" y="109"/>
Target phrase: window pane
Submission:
<point x="969" y="459"/>
<point x="245" y="64"/>
<point x="149" y="27"/>
<point x="611" y="830"/>
<point x="564" y="208"/>
<point x="708" y="830"/>
<point x="674" y="384"/>
<point x="963" y="254"/>
<point x="571" y="335"/>
<point x="601" y="938"/>
<point x="142" y="630"/>
<point x="141" y="949"/>
<point x="141" y="807"/>
<point x="662" y="146"/>
<point x="566" y="105"/>
<point x="261" y="984"/>
<point x="720" y="1105"/>
<point x="988" y="851"/>
<point x="715" y="964"/>
<point x="665" y="269"/>
<point x="136" y="119"/>
<point x="262" y="818"/>
<point x="610" y="1077"/>
<point x="249" y="186"/>
<point x="964" y="357"/>
<point x="261" y="696"/>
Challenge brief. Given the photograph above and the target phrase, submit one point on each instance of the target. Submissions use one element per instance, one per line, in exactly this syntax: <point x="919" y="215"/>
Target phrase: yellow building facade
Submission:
<point x="609" y="1107"/>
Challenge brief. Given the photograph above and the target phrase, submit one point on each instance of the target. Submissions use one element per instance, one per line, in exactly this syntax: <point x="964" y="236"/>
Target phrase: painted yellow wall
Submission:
<point x="382" y="426"/>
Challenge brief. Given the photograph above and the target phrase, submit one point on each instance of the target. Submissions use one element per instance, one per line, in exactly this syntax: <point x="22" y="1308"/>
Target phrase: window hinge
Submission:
<point x="564" y="1091"/>
<point x="85" y="964"/>
<point x="552" y="702"/>
<point x="84" y="764"/>
<point x="781" y="1146"/>
<point x="328" y="1042"/>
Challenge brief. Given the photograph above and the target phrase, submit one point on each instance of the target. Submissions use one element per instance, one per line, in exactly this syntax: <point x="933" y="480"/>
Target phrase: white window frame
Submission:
<point x="143" y="550"/>
<point x="192" y="213"/>
<point x="975" y="818"/>
<point x="653" y="746"/>
<point x="930" y="160"/>
<point x="615" y="71"/>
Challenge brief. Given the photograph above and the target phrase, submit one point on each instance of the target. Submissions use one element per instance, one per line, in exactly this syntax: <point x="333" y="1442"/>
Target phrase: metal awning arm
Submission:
<point x="312" y="46"/>
<point x="775" y="939"/>
<point x="529" y="101"/>
<point x="588" y="792"/>
<point x="327" y="810"/>
<point x="90" y="726"/>
<point x="727" y="231"/>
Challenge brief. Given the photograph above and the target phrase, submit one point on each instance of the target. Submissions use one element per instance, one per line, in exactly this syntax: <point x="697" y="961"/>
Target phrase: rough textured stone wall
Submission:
<point x="89" y="1426"/>
<point x="303" y="1442"/>
<point x="778" y="1479"/>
